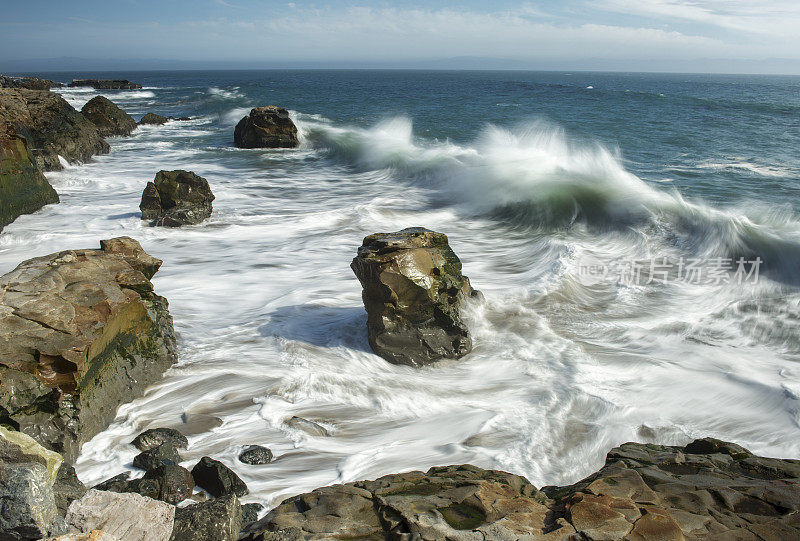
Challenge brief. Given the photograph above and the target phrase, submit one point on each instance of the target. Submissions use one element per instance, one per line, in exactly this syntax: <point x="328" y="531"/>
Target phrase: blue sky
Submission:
<point x="639" y="31"/>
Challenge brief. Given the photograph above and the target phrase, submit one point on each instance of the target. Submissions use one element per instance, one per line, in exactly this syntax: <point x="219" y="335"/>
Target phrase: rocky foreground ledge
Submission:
<point x="708" y="489"/>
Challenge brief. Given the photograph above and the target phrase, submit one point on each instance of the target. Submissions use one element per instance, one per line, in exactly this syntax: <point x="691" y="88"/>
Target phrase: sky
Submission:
<point x="637" y="35"/>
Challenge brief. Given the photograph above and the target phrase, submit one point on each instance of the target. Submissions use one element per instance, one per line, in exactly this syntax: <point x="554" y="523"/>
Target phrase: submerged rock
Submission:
<point x="176" y="198"/>
<point x="255" y="455"/>
<point x="413" y="293"/>
<point x="154" y="437"/>
<point x="105" y="84"/>
<point x="124" y="516"/>
<point x="266" y="127"/>
<point x="162" y="455"/>
<point x="154" y="119"/>
<point x="214" y="520"/>
<point x="217" y="478"/>
<point x="644" y="492"/>
<point x="309" y="427"/>
<point x="51" y="126"/>
<point x="108" y="117"/>
<point x="23" y="187"/>
<point x="81" y="332"/>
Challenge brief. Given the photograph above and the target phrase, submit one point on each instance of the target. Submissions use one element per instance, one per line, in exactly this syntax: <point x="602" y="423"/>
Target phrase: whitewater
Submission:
<point x="271" y="325"/>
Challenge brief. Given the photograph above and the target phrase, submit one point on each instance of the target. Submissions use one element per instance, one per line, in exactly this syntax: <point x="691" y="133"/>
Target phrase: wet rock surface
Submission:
<point x="644" y="492"/>
<point x="176" y="198"/>
<point x="81" y="332"/>
<point x="174" y="483"/>
<point x="153" y="119"/>
<point x="51" y="127"/>
<point x="413" y="291"/>
<point x="23" y="187"/>
<point x="108" y="117"/>
<point x="162" y="455"/>
<point x="266" y="127"/>
<point x="214" y="520"/>
<point x="255" y="455"/>
<point x="154" y="437"/>
<point x="218" y="479"/>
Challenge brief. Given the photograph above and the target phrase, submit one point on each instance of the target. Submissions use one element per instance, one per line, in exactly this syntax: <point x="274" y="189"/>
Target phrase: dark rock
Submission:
<point x="23" y="188"/>
<point x="81" y="332"/>
<point x="118" y="483"/>
<point x="30" y="83"/>
<point x="154" y="437"/>
<point x="51" y="126"/>
<point x="217" y="478"/>
<point x="266" y="127"/>
<point x="214" y="520"/>
<point x="250" y="512"/>
<point x="152" y="118"/>
<point x="176" y="198"/>
<point x="163" y="455"/>
<point x="413" y="292"/>
<point x="175" y="483"/>
<point x="105" y="84"/>
<point x="27" y="505"/>
<point x="108" y="117"/>
<point x="255" y="455"/>
<point x="181" y="118"/>
<point x="644" y="492"/>
<point x="67" y="488"/>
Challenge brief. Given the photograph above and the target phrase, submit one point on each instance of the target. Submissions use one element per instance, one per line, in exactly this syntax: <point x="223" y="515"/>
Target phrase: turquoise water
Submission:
<point x="530" y="175"/>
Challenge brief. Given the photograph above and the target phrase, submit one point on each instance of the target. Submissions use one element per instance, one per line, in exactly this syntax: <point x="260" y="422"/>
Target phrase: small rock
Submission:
<point x="217" y="478"/>
<point x="153" y="119"/>
<point x="214" y="520"/>
<point x="175" y="483"/>
<point x="266" y="127"/>
<point x="255" y="455"/>
<point x="176" y="198"/>
<point x="309" y="427"/>
<point x="118" y="483"/>
<point x="109" y="119"/>
<point x="163" y="455"/>
<point x="156" y="436"/>
<point x="130" y="517"/>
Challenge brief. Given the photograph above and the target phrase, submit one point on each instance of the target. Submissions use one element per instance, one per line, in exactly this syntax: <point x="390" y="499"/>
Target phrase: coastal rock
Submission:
<point x="154" y="437"/>
<point x="51" y="126"/>
<point x="266" y="127"/>
<point x="413" y="293"/>
<point x="175" y="483"/>
<point x="217" y="478"/>
<point x="105" y="84"/>
<point x="30" y="83"/>
<point x="255" y="455"/>
<point x="309" y="427"/>
<point x="250" y="512"/>
<point x="214" y="520"/>
<point x="644" y="492"/>
<point x="162" y="455"/>
<point x="94" y="535"/>
<point x="23" y="187"/>
<point x="19" y="448"/>
<point x="176" y="198"/>
<point x="124" y="516"/>
<point x="27" y="504"/>
<point x="67" y="488"/>
<point x="154" y="119"/>
<point x="82" y="333"/>
<point x="108" y="117"/>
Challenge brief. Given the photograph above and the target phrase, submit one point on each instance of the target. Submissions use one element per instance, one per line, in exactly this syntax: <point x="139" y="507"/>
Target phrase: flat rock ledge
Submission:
<point x="708" y="489"/>
<point x="266" y="127"/>
<point x="81" y="332"/>
<point x="413" y="291"/>
<point x="106" y="84"/>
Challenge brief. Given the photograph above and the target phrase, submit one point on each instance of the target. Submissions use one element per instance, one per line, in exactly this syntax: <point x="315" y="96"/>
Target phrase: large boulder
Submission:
<point x="105" y="84"/>
<point x="176" y="198"/>
<point x="108" y="117"/>
<point x="51" y="126"/>
<point x="23" y="188"/>
<point x="128" y="517"/>
<point x="413" y="293"/>
<point x="266" y="127"/>
<point x="81" y="332"/>
<point x="214" y="520"/>
<point x="153" y="119"/>
<point x="27" y="504"/>
<point x="217" y="478"/>
<point x="643" y="493"/>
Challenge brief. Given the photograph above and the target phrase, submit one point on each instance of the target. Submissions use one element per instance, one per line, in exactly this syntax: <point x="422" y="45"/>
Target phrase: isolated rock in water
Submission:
<point x="255" y="455"/>
<point x="125" y="516"/>
<point x="31" y="83"/>
<point x="214" y="520"/>
<point x="108" y="117"/>
<point x="309" y="427"/>
<point x="105" y="84"/>
<point x="154" y="437"/>
<point x="23" y="188"/>
<point x="51" y="126"/>
<point x="176" y="198"/>
<point x="81" y="332"/>
<point x="175" y="483"/>
<point x="266" y="127"/>
<point x="27" y="505"/>
<point x="162" y="455"/>
<point x="217" y="478"/>
<point x="413" y="292"/>
<point x="152" y="118"/>
<point x="644" y="492"/>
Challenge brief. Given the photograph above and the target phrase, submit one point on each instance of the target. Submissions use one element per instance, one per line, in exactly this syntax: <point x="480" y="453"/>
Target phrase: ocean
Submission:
<point x="578" y="203"/>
